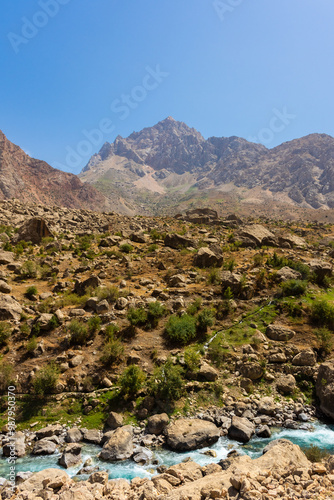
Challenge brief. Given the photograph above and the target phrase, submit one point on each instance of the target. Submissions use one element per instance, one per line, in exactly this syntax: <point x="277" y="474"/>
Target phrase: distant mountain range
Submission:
<point x="170" y="167"/>
<point x="34" y="181"/>
<point x="164" y="166"/>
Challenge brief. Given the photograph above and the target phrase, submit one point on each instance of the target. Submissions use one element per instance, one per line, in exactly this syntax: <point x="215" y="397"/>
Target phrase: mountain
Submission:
<point x="34" y="181"/>
<point x="170" y="164"/>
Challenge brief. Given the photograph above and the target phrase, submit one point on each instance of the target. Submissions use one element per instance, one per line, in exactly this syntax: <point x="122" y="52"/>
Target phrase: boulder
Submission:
<point x="53" y="478"/>
<point x="44" y="447"/>
<point x="237" y="285"/>
<point x="20" y="448"/>
<point x="73" y="435"/>
<point x="44" y="321"/>
<point x="177" y="280"/>
<point x="177" y="241"/>
<point x="157" y="423"/>
<point x="263" y="432"/>
<point x="115" y="420"/>
<point x="188" y="434"/>
<point x="207" y="258"/>
<point x="291" y="241"/>
<point x="33" y="230"/>
<point x="259" y="234"/>
<point x="279" y="333"/>
<point x="321" y="269"/>
<point x="286" y="274"/>
<point x="71" y="456"/>
<point x="207" y="372"/>
<point x="286" y="384"/>
<point x="92" y="436"/>
<point x="9" y="308"/>
<point x="267" y="406"/>
<point x="252" y="370"/>
<point x="6" y="257"/>
<point x="4" y="287"/>
<point x="50" y="430"/>
<point x="325" y="388"/>
<point x="119" y="446"/>
<point x="305" y="358"/>
<point x="241" y="429"/>
<point x="80" y="287"/>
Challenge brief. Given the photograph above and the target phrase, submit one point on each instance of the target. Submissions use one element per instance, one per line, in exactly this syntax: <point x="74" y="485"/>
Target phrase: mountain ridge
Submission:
<point x="168" y="160"/>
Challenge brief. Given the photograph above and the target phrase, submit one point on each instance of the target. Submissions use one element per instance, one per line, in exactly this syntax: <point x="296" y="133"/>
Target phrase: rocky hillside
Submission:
<point x="135" y="332"/>
<point x="164" y="166"/>
<point x="31" y="180"/>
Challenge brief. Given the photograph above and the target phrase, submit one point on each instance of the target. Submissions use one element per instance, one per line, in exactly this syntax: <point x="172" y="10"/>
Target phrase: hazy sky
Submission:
<point x="77" y="73"/>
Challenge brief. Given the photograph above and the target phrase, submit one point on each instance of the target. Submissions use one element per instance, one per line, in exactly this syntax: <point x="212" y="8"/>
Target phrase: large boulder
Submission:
<point x="259" y="234"/>
<point x="286" y="274"/>
<point x="92" y="282"/>
<point x="325" y="388"/>
<point x="71" y="456"/>
<point x="207" y="258"/>
<point x="267" y="406"/>
<point x="157" y="423"/>
<point x="33" y="230"/>
<point x="73" y="435"/>
<point x="9" y="308"/>
<point x="321" y="269"/>
<point x="119" y="446"/>
<point x="286" y="384"/>
<point x="241" y="429"/>
<point x="177" y="241"/>
<point x="291" y="241"/>
<point x="115" y="420"/>
<point x="236" y="283"/>
<point x="19" y="443"/>
<point x="50" y="430"/>
<point x="305" y="358"/>
<point x="188" y="434"/>
<point x="44" y="447"/>
<point x="6" y="257"/>
<point x="53" y="478"/>
<point x="252" y="370"/>
<point x="207" y="372"/>
<point x="279" y="333"/>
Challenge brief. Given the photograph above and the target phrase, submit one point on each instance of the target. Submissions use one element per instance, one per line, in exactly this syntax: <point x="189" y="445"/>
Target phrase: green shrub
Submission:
<point x="227" y="294"/>
<point x="109" y="293"/>
<point x="293" y="288"/>
<point x="230" y="264"/>
<point x="205" y="320"/>
<point x="46" y="379"/>
<point x="137" y="316"/>
<point x="94" y="324"/>
<point x="322" y="313"/>
<point x="132" y="380"/>
<point x="5" y="332"/>
<point x="194" y="307"/>
<point x="325" y="339"/>
<point x="126" y="248"/>
<point x="112" y="351"/>
<point x="277" y="262"/>
<point x="192" y="359"/>
<point x="181" y="329"/>
<point x="31" y="345"/>
<point x="6" y="375"/>
<point x="152" y="248"/>
<point x="31" y="292"/>
<point x="155" y="235"/>
<point x="214" y="276"/>
<point x="29" y="269"/>
<point x="315" y="454"/>
<point x="53" y="323"/>
<point x="79" y="332"/>
<point x="155" y="311"/>
<point x="167" y="382"/>
<point x="111" y="330"/>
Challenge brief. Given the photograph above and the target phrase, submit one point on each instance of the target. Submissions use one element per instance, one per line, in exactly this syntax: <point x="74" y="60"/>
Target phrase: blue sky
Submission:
<point x="77" y="73"/>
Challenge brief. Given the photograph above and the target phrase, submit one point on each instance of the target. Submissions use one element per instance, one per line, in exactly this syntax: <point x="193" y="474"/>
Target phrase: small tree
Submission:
<point x="181" y="329"/>
<point x="132" y="380"/>
<point x="46" y="379"/>
<point x="167" y="382"/>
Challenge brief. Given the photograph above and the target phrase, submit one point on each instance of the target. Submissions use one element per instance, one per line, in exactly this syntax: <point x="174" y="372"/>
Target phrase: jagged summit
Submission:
<point x="170" y="158"/>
